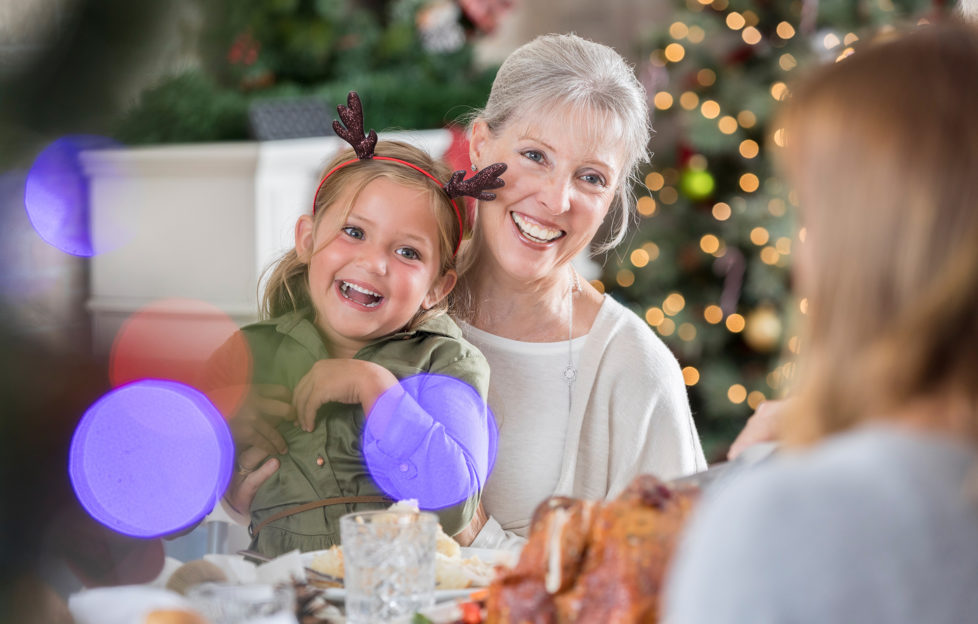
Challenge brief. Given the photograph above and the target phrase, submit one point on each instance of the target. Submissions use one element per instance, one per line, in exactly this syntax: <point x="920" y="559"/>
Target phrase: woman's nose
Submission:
<point x="555" y="195"/>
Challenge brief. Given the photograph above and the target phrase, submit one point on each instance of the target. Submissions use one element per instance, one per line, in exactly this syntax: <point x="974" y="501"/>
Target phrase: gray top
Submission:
<point x="877" y="525"/>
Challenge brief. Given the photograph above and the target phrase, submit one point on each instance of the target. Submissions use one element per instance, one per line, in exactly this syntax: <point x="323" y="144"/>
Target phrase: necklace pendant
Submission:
<point x="570" y="374"/>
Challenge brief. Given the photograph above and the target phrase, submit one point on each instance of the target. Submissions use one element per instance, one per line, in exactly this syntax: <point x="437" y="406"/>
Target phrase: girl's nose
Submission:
<point x="373" y="258"/>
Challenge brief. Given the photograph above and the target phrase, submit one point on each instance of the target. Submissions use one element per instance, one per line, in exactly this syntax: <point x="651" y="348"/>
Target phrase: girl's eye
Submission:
<point x="593" y="178"/>
<point x="533" y="155"/>
<point x="353" y="232"/>
<point x="410" y="254"/>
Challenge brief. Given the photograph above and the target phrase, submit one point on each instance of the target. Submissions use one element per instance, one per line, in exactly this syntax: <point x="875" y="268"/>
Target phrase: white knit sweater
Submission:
<point x="630" y="415"/>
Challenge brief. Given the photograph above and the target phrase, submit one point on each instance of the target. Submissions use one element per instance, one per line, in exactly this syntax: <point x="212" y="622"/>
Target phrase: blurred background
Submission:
<point x="154" y="154"/>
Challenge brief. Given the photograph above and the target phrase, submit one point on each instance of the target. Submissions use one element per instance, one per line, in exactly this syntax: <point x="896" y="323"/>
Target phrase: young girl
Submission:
<point x="356" y="306"/>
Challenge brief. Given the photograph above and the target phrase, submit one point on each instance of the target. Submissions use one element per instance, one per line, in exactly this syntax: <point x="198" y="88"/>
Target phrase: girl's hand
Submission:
<point x="265" y="406"/>
<point x="342" y="381"/>
<point x="469" y="533"/>
<point x="249" y="474"/>
<point x="763" y="426"/>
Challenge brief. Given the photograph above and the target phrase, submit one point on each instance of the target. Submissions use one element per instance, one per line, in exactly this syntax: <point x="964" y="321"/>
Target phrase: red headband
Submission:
<point x="364" y="144"/>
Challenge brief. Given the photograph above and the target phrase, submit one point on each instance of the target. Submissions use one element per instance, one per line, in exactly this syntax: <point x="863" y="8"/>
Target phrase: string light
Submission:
<point x="625" y="278"/>
<point x="645" y="206"/>
<point x="697" y="161"/>
<point x="709" y="243"/>
<point x="779" y="90"/>
<point x="689" y="100"/>
<point x="678" y="30"/>
<point x="721" y="211"/>
<point x="770" y="255"/>
<point x="713" y="314"/>
<point x="830" y="41"/>
<point x="737" y="394"/>
<point x="749" y="183"/>
<point x="696" y="34"/>
<point x="727" y="124"/>
<point x="654" y="181"/>
<point x="687" y="332"/>
<point x="779" y="137"/>
<point x="706" y="77"/>
<point x="667" y="327"/>
<point x="710" y="109"/>
<point x="802" y="234"/>
<point x="735" y="21"/>
<point x="783" y="245"/>
<point x="777" y="207"/>
<point x="794" y="344"/>
<point x="759" y="236"/>
<point x="803" y="306"/>
<point x="652" y="249"/>
<point x="751" y="18"/>
<point x="668" y="195"/>
<point x="639" y="258"/>
<point x="749" y="148"/>
<point x="785" y="30"/>
<point x="720" y="5"/>
<point x="751" y="36"/>
<point x="598" y="285"/>
<point x="691" y="376"/>
<point x="755" y="398"/>
<point x="845" y="54"/>
<point x="654" y="316"/>
<point x="746" y="119"/>
<point x="662" y="100"/>
<point x="787" y="62"/>
<point x="674" y="52"/>
<point x="735" y="323"/>
<point x="850" y="39"/>
<point x="673" y="304"/>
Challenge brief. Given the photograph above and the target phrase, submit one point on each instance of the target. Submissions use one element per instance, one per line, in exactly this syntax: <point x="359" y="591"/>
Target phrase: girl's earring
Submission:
<point x="474" y="168"/>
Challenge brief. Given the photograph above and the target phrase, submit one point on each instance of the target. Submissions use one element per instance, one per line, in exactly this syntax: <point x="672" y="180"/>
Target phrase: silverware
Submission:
<point x="320" y="576"/>
<point x="750" y="456"/>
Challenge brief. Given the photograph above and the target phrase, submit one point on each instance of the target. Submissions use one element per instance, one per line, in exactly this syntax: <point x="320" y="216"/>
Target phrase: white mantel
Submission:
<point x="205" y="220"/>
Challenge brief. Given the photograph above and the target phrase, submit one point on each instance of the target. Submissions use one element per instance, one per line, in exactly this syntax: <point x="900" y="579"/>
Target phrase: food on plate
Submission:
<point x="194" y="573"/>
<point x="329" y="562"/>
<point x="594" y="561"/>
<point x="174" y="616"/>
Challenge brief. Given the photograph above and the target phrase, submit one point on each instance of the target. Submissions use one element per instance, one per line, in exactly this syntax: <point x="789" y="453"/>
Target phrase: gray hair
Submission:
<point x="557" y="70"/>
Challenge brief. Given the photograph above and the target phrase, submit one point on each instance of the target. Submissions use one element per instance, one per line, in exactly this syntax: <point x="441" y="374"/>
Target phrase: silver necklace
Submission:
<point x="570" y="373"/>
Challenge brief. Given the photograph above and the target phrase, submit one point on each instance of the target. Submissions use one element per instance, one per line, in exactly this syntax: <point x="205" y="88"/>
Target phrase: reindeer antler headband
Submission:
<point x="363" y="144"/>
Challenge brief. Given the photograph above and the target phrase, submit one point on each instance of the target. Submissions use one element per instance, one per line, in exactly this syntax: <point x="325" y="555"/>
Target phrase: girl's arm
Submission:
<point x="342" y="381"/>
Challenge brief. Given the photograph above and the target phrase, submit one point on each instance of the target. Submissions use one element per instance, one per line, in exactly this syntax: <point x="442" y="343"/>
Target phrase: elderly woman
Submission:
<point x="585" y="395"/>
<point x="876" y="520"/>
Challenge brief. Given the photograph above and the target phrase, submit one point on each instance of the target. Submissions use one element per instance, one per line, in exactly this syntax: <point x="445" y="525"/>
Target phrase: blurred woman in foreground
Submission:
<point x="875" y="517"/>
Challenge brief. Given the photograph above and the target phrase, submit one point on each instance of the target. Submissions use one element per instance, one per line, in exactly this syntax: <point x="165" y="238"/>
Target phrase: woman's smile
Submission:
<point x="534" y="231"/>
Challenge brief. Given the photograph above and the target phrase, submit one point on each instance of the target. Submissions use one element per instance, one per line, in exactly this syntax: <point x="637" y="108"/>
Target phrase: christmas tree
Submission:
<point x="709" y="267"/>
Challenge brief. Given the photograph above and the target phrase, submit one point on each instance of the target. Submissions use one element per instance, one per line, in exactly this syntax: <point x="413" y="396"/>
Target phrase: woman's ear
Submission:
<point x="478" y="140"/>
<point x="440" y="289"/>
<point x="305" y="227"/>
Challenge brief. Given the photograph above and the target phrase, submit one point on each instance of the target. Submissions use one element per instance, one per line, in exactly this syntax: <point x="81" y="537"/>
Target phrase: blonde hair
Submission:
<point x="882" y="148"/>
<point x="566" y="70"/>
<point x="287" y="288"/>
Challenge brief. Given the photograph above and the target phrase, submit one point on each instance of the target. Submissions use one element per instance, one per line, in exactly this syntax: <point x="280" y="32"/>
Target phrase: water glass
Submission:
<point x="389" y="564"/>
<point x="225" y="603"/>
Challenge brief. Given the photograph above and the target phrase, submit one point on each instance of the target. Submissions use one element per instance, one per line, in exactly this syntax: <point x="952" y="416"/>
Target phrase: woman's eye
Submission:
<point x="353" y="232"/>
<point x="593" y="178"/>
<point x="410" y="254"/>
<point x="533" y="155"/>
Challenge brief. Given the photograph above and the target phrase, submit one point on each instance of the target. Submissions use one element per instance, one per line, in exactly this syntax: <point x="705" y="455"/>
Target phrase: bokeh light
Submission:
<point x="689" y="100"/>
<point x="174" y="339"/>
<point x="721" y="211"/>
<point x="654" y="181"/>
<point x="56" y="198"/>
<point x="735" y="323"/>
<point x="150" y="458"/>
<point x="691" y="376"/>
<point x="737" y="393"/>
<point x="713" y="314"/>
<point x="749" y="148"/>
<point x="432" y="438"/>
<point x="625" y="278"/>
<point x="645" y="206"/>
<point x="663" y="100"/>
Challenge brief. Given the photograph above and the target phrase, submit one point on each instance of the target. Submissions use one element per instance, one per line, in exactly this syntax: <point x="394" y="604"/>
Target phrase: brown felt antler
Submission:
<point x="476" y="186"/>
<point x="352" y="116"/>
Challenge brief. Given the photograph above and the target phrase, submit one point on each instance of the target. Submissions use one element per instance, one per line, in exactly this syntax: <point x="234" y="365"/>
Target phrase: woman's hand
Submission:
<point x="249" y="474"/>
<point x="763" y="426"/>
<point x="342" y="381"/>
<point x="265" y="406"/>
<point x="469" y="533"/>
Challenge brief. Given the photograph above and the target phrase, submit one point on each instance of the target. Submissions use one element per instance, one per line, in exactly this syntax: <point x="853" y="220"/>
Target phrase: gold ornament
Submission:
<point x="763" y="330"/>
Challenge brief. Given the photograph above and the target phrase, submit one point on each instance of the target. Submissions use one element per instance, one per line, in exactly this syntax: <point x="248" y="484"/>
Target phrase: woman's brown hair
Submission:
<point x="882" y="150"/>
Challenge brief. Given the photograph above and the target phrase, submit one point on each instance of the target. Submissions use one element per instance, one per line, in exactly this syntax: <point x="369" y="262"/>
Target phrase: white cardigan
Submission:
<point x="630" y="416"/>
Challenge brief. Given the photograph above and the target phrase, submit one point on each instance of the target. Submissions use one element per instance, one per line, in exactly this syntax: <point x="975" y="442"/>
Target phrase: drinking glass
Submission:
<point x="224" y="603"/>
<point x="389" y="564"/>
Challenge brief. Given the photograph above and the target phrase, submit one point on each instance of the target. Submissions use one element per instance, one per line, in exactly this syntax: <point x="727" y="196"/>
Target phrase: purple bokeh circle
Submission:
<point x="56" y="195"/>
<point x="432" y="438"/>
<point x="150" y="458"/>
